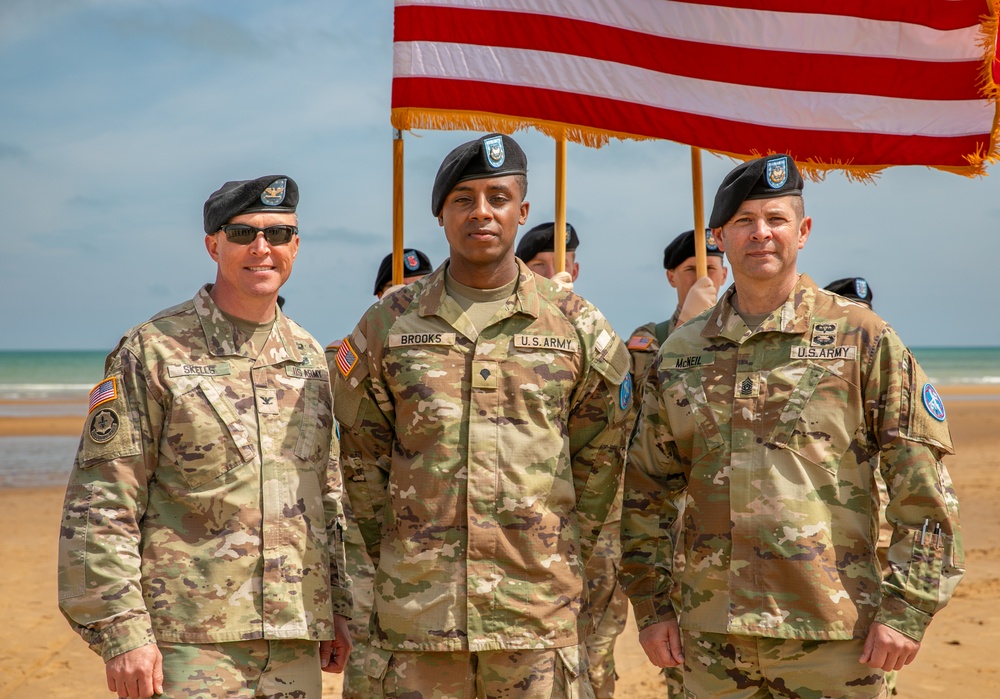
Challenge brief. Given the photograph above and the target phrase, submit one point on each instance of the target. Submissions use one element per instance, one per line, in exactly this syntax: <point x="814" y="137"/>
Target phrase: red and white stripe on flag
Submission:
<point x="856" y="84"/>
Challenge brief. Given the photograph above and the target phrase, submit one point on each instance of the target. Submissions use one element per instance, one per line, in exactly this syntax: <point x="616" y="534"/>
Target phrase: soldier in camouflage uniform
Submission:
<point x="482" y="411"/>
<point x="766" y="412"/>
<point x="607" y="608"/>
<point x="200" y="552"/>
<point x="694" y="295"/>
<point x="359" y="566"/>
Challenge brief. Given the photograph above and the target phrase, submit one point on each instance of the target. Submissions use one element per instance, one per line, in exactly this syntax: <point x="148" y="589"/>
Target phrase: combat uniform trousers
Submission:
<point x="362" y="573"/>
<point x="284" y="669"/>
<point x="755" y="667"/>
<point x="557" y="673"/>
<point x="607" y="605"/>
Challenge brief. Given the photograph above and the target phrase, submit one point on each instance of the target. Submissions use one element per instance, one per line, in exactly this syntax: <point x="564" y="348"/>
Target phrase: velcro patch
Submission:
<point x="533" y="342"/>
<point x="298" y="372"/>
<point x="694" y="360"/>
<point x="484" y="374"/>
<point x="837" y="352"/>
<point x="638" y="342"/>
<point x="407" y="339"/>
<point x="103" y="392"/>
<point x="221" y="369"/>
<point x="347" y="358"/>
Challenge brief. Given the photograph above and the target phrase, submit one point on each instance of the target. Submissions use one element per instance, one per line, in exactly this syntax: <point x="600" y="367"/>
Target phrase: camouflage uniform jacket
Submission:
<point x="481" y="470"/>
<point x="199" y="509"/>
<point x="642" y="345"/>
<point x="771" y="434"/>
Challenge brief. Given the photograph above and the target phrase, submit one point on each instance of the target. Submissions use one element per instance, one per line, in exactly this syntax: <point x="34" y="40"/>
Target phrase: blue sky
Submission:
<point x="119" y="119"/>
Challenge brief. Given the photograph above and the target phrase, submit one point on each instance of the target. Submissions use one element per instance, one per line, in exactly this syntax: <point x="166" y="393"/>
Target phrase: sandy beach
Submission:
<point x="41" y="657"/>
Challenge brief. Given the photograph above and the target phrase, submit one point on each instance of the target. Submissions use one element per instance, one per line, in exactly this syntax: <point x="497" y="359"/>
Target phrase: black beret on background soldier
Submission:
<point x="483" y="416"/>
<point x="200" y="548"/>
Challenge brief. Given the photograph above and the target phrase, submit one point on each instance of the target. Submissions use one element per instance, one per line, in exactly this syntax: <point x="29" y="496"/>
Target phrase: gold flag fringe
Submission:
<point x="408" y="119"/>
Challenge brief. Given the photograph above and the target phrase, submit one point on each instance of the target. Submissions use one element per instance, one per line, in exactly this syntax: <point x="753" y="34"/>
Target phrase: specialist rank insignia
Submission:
<point x="777" y="172"/>
<point x="495" y="154"/>
<point x="275" y="193"/>
<point x="104" y="426"/>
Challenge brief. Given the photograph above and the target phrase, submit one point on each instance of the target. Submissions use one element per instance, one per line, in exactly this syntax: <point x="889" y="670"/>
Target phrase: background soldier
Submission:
<point x="537" y="250"/>
<point x="694" y="295"/>
<point x="359" y="566"/>
<point x="482" y="411"/>
<point x="607" y="607"/>
<point x="200" y="533"/>
<point x="767" y="413"/>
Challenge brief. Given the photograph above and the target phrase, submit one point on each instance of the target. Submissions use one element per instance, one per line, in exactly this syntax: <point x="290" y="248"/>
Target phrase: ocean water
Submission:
<point x="69" y="375"/>
<point x="55" y="383"/>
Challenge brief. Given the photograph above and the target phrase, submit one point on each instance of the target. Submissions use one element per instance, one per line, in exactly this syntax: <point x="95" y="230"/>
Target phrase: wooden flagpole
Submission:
<point x="397" y="207"/>
<point x="560" y="233"/>
<point x="700" y="254"/>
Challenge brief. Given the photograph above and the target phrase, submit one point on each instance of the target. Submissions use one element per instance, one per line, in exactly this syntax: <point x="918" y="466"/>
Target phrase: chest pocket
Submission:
<point x="816" y="420"/>
<point x="205" y="436"/>
<point x="309" y="447"/>
<point x="699" y="429"/>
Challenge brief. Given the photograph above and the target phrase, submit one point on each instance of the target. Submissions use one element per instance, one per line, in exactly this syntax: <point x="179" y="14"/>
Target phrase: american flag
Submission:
<point x="857" y="85"/>
<point x="103" y="392"/>
<point x="346" y="357"/>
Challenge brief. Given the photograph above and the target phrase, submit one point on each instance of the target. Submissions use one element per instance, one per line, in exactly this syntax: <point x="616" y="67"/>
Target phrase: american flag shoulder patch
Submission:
<point x="347" y="358"/>
<point x="103" y="392"/>
<point x="638" y="342"/>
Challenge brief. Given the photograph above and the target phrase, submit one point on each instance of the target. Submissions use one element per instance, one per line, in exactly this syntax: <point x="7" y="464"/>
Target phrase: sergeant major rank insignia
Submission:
<point x="495" y="155"/>
<point x="777" y="172"/>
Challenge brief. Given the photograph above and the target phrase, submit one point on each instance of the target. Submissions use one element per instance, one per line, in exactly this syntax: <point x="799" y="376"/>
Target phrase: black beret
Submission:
<point x="277" y="193"/>
<point x="542" y="238"/>
<point x="763" y="178"/>
<point x="414" y="263"/>
<point x="682" y="247"/>
<point x="495" y="155"/>
<point x="855" y="288"/>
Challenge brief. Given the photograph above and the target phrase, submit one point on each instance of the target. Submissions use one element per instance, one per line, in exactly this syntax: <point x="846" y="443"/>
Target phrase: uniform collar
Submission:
<point x="434" y="300"/>
<point x="220" y="334"/>
<point x="791" y="317"/>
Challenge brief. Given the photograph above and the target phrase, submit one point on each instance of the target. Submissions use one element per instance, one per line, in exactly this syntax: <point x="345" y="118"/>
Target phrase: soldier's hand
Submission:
<point x="564" y="280"/>
<point x="333" y="654"/>
<point x="662" y="643"/>
<point x="700" y="297"/>
<point x="888" y="649"/>
<point x="137" y="673"/>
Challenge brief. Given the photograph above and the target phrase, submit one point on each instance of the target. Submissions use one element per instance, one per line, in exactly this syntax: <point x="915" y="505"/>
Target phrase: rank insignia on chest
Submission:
<point x="747" y="387"/>
<point x="484" y="374"/>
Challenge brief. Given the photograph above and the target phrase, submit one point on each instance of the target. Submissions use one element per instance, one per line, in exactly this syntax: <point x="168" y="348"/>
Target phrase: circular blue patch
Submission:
<point x="625" y="392"/>
<point x="933" y="403"/>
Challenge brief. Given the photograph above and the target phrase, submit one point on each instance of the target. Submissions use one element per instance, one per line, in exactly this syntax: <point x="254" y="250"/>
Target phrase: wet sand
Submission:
<point x="41" y="657"/>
